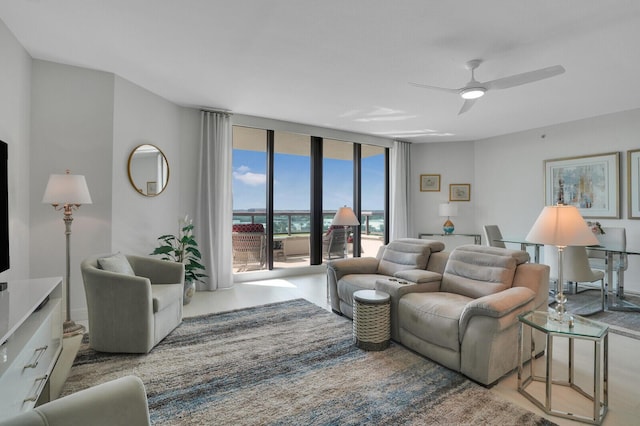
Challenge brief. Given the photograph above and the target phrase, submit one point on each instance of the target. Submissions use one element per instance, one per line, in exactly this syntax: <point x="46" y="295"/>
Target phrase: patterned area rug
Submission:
<point x="292" y="363"/>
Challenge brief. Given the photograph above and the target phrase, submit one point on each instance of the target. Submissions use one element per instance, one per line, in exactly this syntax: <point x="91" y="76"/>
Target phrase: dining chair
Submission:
<point x="615" y="237"/>
<point x="576" y="269"/>
<point x="492" y="235"/>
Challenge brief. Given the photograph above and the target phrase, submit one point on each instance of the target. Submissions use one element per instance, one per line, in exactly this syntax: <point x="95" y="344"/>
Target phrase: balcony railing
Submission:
<point x="298" y="222"/>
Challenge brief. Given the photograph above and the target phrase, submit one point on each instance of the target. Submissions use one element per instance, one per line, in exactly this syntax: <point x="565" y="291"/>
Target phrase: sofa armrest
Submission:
<point x="397" y="289"/>
<point x="119" y="402"/>
<point x="534" y="276"/>
<point x="336" y="269"/>
<point x="508" y="302"/>
<point x="353" y="265"/>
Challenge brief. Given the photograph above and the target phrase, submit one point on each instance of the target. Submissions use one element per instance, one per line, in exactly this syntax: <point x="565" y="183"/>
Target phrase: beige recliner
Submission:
<point x="470" y="323"/>
<point x="411" y="259"/>
<point x="133" y="309"/>
<point x="120" y="402"/>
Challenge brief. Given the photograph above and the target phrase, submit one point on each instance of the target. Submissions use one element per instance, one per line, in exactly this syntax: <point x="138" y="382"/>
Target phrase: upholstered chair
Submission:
<point x="133" y="301"/>
<point x="120" y="402"/>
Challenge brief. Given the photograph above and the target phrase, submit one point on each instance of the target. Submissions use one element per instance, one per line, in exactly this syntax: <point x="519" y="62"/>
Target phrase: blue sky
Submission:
<point x="291" y="186"/>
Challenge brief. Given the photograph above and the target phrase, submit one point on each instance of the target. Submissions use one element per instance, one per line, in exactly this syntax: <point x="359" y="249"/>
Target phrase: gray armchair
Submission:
<point x="128" y="312"/>
<point x="120" y="402"/>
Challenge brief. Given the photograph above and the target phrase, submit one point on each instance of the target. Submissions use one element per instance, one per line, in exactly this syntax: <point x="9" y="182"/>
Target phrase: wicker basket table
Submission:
<point x="371" y="319"/>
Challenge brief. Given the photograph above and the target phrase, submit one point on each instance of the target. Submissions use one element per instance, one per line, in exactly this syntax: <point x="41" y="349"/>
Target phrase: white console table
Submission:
<point x="30" y="341"/>
<point x="452" y="241"/>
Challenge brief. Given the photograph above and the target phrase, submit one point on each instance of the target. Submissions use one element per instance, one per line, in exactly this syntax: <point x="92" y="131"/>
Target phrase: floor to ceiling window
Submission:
<point x="373" y="199"/>
<point x="273" y="186"/>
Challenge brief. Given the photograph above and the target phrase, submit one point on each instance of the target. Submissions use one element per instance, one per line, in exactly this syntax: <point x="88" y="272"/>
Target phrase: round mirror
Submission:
<point x="148" y="170"/>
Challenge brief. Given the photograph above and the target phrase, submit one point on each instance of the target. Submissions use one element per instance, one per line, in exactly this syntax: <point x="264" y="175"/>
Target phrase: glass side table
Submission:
<point x="582" y="329"/>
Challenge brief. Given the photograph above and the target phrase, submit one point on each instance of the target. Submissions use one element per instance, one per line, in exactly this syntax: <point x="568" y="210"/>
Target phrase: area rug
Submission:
<point x="292" y="363"/>
<point x="624" y="323"/>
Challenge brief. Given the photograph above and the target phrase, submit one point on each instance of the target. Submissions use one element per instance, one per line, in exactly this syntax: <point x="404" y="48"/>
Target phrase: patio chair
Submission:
<point x="333" y="242"/>
<point x="249" y="246"/>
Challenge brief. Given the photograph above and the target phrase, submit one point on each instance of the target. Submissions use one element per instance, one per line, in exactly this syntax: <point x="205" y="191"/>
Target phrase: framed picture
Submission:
<point x="460" y="192"/>
<point x="633" y="183"/>
<point x="152" y="188"/>
<point x="590" y="182"/>
<point x="430" y="183"/>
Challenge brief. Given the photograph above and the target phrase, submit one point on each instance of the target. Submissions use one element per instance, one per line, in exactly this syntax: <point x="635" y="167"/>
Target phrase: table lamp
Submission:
<point x="345" y="217"/>
<point x="561" y="226"/>
<point x="67" y="192"/>
<point x="448" y="210"/>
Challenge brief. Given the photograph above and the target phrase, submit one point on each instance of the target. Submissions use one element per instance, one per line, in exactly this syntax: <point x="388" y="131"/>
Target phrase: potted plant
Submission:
<point x="183" y="248"/>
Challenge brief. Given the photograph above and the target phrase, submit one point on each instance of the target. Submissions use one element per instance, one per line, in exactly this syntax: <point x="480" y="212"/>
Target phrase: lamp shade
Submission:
<point x="345" y="217"/>
<point x="561" y="226"/>
<point x="448" y="209"/>
<point x="66" y="189"/>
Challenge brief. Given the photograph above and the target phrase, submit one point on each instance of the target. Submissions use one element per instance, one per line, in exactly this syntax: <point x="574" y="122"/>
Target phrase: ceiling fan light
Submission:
<point x="472" y="92"/>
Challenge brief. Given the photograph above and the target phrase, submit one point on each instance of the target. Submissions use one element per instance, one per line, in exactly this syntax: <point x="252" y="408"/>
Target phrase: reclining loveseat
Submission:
<point x="467" y="318"/>
<point x="407" y="259"/>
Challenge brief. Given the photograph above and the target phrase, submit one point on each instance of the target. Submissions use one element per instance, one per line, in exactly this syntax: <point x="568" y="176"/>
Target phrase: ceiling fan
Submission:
<point x="474" y="89"/>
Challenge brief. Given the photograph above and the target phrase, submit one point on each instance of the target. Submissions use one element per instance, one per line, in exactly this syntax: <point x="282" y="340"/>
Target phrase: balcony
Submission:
<point x="291" y="236"/>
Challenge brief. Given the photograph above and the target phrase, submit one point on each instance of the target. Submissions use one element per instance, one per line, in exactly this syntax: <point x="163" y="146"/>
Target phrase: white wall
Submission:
<point x="89" y="121"/>
<point x="71" y="128"/>
<point x="142" y="117"/>
<point x="15" y="87"/>
<point x="454" y="163"/>
<point x="507" y="177"/>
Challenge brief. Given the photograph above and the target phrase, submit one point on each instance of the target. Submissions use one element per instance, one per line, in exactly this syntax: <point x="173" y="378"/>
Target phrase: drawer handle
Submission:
<point x="34" y="397"/>
<point x="40" y="351"/>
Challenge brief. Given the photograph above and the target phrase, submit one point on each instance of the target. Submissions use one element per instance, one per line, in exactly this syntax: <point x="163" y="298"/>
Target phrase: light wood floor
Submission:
<point x="624" y="353"/>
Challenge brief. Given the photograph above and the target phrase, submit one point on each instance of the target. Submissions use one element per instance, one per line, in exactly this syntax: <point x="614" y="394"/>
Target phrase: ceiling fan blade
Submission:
<point x="466" y="106"/>
<point x="442" y="89"/>
<point x="524" y="78"/>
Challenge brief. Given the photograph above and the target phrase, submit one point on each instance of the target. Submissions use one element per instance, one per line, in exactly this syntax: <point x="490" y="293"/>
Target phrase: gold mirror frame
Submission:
<point x="155" y="180"/>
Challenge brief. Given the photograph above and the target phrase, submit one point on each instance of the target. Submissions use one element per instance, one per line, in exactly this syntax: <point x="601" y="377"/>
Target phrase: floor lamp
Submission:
<point x="345" y="217"/>
<point x="561" y="226"/>
<point x="67" y="192"/>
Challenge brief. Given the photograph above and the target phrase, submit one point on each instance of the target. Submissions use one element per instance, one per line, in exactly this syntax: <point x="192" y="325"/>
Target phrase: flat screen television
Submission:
<point x="4" y="207"/>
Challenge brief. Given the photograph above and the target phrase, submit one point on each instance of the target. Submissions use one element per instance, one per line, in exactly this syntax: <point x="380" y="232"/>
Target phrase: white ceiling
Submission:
<point x="346" y="64"/>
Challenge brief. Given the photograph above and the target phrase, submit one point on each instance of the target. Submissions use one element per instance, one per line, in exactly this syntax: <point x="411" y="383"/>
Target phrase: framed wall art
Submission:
<point x="429" y="183"/>
<point x="460" y="192"/>
<point x="590" y="182"/>
<point x="633" y="183"/>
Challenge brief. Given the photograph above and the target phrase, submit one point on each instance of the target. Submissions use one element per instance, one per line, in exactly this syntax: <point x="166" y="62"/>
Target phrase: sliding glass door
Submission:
<point x="291" y="185"/>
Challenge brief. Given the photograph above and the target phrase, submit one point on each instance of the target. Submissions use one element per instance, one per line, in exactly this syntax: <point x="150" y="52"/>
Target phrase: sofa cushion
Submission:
<point x="351" y="283"/>
<point x="117" y="263"/>
<point x="433" y="317"/>
<point x="407" y="253"/>
<point x="476" y="271"/>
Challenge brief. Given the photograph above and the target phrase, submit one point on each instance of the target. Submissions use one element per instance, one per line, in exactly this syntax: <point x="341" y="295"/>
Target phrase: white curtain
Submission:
<point x="401" y="217"/>
<point x="214" y="212"/>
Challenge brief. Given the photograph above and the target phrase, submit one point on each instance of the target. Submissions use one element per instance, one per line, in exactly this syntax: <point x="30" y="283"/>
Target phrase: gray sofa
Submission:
<point x="466" y="319"/>
<point x="120" y="402"/>
<point x="131" y="307"/>
<point x="411" y="259"/>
